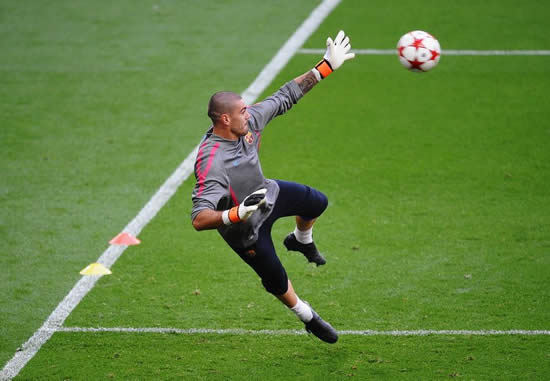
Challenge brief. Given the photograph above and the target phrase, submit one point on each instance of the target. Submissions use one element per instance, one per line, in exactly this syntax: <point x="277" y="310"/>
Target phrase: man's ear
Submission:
<point x="225" y="119"/>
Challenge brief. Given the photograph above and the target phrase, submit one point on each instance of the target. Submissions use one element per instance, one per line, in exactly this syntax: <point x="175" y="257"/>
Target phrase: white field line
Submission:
<point x="444" y="52"/>
<point x="288" y="50"/>
<point x="164" y="193"/>
<point x="282" y="332"/>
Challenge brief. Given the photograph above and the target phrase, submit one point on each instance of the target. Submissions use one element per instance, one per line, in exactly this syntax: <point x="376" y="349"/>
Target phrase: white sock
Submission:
<point x="304" y="236"/>
<point x="303" y="311"/>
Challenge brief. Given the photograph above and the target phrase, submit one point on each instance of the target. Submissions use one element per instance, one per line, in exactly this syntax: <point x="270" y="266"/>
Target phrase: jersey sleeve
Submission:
<point x="212" y="186"/>
<point x="276" y="104"/>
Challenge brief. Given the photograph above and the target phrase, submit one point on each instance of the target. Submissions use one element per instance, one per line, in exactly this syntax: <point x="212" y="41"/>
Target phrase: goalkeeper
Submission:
<point x="233" y="196"/>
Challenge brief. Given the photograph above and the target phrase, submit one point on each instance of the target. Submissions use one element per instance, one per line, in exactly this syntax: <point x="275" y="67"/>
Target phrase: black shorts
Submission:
<point x="293" y="200"/>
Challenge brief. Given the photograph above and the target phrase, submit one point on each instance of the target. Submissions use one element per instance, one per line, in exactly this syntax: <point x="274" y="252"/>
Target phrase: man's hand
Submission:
<point x="242" y="212"/>
<point x="337" y="53"/>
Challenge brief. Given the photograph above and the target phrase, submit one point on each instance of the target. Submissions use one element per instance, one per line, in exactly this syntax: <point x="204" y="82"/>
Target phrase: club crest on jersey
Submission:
<point x="249" y="138"/>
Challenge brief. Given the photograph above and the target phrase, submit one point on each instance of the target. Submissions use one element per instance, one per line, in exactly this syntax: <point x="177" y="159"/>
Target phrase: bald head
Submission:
<point x="221" y="103"/>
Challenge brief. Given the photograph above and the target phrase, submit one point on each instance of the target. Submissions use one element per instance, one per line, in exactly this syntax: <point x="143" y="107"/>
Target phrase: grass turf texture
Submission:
<point x="438" y="187"/>
<point x="212" y="357"/>
<point x="449" y="233"/>
<point x="99" y="103"/>
<point x="434" y="212"/>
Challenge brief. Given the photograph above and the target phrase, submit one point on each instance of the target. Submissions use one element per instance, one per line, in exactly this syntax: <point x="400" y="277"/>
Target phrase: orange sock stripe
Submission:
<point x="234" y="215"/>
<point x="324" y="68"/>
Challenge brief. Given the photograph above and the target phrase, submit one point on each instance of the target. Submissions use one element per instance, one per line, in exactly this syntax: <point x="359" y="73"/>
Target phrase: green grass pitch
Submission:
<point x="439" y="214"/>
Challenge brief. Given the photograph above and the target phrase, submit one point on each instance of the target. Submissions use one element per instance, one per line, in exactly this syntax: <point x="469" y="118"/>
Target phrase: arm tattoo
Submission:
<point x="306" y="81"/>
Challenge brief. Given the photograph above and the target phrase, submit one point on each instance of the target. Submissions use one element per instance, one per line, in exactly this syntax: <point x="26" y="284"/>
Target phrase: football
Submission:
<point x="418" y="51"/>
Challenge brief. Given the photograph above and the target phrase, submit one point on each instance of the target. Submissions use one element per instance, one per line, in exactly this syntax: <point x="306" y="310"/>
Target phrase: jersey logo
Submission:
<point x="249" y="138"/>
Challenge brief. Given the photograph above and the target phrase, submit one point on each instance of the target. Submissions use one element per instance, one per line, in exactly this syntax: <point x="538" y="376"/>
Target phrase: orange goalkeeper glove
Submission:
<point x="245" y="209"/>
<point x="337" y="53"/>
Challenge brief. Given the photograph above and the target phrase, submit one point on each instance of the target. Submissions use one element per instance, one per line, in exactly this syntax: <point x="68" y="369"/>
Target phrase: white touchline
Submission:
<point x="444" y="52"/>
<point x="55" y="321"/>
<point x="281" y="332"/>
<point x="288" y="50"/>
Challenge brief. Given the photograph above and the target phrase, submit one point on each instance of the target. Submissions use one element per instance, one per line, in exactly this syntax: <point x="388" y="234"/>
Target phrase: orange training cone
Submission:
<point x="125" y="239"/>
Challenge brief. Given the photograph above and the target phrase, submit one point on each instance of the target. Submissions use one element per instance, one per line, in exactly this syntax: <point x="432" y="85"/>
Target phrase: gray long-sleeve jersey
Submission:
<point x="227" y="171"/>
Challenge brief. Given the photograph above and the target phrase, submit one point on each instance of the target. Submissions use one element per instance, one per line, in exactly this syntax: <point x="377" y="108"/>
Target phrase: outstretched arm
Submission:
<point x="337" y="53"/>
<point x="288" y="95"/>
<point x="306" y="81"/>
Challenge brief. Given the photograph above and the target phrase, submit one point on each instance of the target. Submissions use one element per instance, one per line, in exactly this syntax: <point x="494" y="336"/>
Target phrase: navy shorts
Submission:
<point x="293" y="200"/>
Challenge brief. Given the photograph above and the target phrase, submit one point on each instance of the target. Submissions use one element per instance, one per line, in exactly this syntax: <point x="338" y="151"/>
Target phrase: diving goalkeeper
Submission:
<point x="233" y="196"/>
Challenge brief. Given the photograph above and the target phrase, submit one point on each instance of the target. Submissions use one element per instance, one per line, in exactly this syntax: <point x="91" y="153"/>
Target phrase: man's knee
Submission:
<point x="323" y="202"/>
<point x="276" y="286"/>
<point x="318" y="203"/>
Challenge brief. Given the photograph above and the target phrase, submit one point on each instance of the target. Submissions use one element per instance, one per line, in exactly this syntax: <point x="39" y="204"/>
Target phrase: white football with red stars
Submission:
<point x="418" y="51"/>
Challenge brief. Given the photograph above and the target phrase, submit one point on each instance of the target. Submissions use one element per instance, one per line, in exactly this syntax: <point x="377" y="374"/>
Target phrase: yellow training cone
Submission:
<point x="95" y="269"/>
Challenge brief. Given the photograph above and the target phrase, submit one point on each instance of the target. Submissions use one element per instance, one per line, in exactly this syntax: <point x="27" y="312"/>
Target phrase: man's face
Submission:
<point x="239" y="119"/>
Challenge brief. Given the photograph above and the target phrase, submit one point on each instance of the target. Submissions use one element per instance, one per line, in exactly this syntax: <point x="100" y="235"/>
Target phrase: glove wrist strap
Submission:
<point x="231" y="216"/>
<point x="324" y="68"/>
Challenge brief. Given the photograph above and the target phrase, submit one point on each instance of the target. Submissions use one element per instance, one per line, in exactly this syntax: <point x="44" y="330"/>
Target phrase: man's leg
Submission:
<point x="313" y="322"/>
<point x="307" y="204"/>
<point x="301" y="239"/>
<point x="304" y="230"/>
<point x="289" y="298"/>
<point x="303" y="224"/>
<point x="264" y="260"/>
